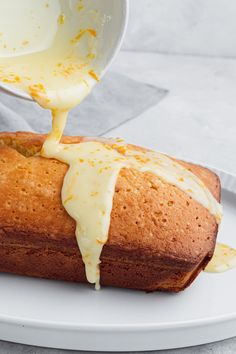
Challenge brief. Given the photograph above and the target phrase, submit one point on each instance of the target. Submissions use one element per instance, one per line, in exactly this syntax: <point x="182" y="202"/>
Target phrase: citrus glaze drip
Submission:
<point x="59" y="78"/>
<point x="224" y="258"/>
<point x="89" y="185"/>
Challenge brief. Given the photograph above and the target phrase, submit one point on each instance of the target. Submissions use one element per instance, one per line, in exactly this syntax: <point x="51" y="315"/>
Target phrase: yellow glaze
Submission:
<point x="224" y="258"/>
<point x="61" y="74"/>
<point x="89" y="185"/>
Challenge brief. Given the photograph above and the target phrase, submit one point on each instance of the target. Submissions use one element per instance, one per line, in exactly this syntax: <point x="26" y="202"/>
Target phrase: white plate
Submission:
<point x="72" y="316"/>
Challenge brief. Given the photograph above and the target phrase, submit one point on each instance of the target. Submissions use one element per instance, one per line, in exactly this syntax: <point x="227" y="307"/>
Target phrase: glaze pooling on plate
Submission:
<point x="224" y="259"/>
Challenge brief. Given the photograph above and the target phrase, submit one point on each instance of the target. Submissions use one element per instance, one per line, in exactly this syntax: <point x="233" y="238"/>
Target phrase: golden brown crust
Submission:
<point x="159" y="237"/>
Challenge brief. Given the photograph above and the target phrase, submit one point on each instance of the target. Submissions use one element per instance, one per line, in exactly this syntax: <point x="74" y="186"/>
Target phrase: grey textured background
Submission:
<point x="200" y="27"/>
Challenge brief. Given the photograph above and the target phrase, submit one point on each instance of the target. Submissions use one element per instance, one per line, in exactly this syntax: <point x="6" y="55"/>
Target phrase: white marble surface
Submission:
<point x="205" y="27"/>
<point x="196" y="121"/>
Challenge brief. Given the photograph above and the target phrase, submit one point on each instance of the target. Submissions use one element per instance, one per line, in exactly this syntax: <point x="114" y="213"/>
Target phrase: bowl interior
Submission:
<point x="113" y="17"/>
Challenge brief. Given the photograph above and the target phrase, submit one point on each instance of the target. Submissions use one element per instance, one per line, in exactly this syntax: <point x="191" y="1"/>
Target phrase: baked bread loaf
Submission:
<point x="159" y="237"/>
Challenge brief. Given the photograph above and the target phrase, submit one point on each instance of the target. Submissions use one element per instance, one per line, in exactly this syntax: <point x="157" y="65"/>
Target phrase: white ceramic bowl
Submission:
<point x="115" y="14"/>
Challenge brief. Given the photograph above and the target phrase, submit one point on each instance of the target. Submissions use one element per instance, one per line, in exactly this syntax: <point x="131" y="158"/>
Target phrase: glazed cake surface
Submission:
<point x="159" y="237"/>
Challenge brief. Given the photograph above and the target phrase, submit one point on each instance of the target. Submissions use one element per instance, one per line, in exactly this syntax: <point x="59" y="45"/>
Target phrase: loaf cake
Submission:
<point x="159" y="237"/>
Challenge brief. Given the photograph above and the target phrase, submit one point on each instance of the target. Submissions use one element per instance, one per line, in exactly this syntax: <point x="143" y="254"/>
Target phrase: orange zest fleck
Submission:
<point x="70" y="197"/>
<point x="93" y="75"/>
<point x="92" y="31"/>
<point x="25" y="42"/>
<point x="61" y="19"/>
<point x="91" y="55"/>
<point x="81" y="33"/>
<point x="38" y="91"/>
<point x="38" y="88"/>
<point x="141" y="159"/>
<point x="120" y="148"/>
